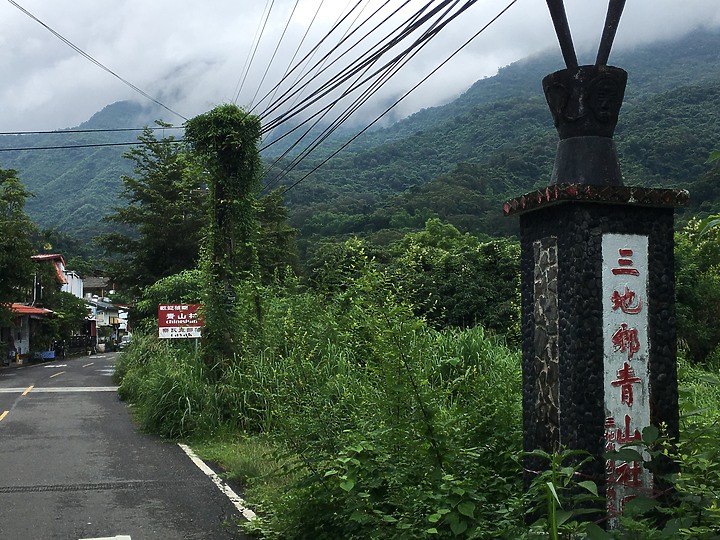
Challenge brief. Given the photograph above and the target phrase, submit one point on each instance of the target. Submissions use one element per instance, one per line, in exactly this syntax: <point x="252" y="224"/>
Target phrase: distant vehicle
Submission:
<point x="124" y="341"/>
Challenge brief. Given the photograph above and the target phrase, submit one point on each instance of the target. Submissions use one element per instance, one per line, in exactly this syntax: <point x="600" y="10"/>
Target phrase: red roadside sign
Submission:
<point x="178" y="321"/>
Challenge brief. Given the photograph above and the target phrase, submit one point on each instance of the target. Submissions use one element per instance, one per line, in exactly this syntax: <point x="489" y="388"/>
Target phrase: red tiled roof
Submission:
<point x="48" y="257"/>
<point x="22" y="309"/>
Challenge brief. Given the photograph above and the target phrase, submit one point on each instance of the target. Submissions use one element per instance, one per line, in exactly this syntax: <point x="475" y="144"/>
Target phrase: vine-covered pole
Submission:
<point x="226" y="140"/>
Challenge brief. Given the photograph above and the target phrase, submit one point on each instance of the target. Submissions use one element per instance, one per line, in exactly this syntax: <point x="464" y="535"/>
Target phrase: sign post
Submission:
<point x="179" y="321"/>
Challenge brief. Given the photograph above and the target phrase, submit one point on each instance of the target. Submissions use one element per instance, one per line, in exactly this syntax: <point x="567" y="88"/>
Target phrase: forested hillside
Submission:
<point x="457" y="162"/>
<point x="74" y="188"/>
<point x="460" y="161"/>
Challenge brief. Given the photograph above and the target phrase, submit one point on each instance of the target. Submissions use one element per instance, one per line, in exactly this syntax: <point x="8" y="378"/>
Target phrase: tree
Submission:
<point x="183" y="288"/>
<point x="225" y="141"/>
<point x="164" y="216"/>
<point x="697" y="291"/>
<point x="277" y="249"/>
<point x="456" y="280"/>
<point x="697" y="283"/>
<point x="334" y="265"/>
<point x="81" y="256"/>
<point x="16" y="268"/>
<point x="70" y="312"/>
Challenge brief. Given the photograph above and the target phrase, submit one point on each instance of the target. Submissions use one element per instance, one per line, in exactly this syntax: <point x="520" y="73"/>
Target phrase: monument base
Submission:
<point x="598" y="325"/>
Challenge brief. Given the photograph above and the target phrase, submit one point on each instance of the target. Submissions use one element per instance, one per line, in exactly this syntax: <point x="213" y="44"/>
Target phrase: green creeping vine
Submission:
<point x="225" y="139"/>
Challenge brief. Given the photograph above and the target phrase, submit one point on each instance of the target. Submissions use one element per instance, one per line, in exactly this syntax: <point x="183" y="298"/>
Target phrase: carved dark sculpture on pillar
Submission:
<point x="585" y="102"/>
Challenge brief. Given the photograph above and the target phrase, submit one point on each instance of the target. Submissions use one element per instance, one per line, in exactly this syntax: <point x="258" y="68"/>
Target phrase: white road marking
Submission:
<point x="238" y="501"/>
<point x="68" y="389"/>
<point x="119" y="537"/>
<point x="56" y="365"/>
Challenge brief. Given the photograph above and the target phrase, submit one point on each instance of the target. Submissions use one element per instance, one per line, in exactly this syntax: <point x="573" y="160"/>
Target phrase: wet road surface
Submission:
<point x="73" y="465"/>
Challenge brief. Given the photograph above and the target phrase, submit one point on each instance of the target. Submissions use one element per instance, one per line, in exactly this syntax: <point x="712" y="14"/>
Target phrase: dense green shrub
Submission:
<point x="394" y="426"/>
<point x="384" y="427"/>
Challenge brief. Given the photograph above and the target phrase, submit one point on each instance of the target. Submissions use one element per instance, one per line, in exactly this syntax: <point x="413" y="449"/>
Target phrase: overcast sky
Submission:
<point x="192" y="56"/>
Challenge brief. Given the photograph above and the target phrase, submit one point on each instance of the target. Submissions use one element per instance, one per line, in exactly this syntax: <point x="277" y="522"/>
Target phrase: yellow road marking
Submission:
<point x="51" y="376"/>
<point x="90" y="364"/>
<point x="3" y="415"/>
<point x="25" y="393"/>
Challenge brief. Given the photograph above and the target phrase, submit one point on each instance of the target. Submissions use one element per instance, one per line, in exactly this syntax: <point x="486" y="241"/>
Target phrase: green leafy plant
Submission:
<point x="561" y="495"/>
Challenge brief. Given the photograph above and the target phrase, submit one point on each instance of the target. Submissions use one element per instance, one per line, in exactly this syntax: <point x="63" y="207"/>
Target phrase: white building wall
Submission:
<point x="21" y="334"/>
<point x="74" y="284"/>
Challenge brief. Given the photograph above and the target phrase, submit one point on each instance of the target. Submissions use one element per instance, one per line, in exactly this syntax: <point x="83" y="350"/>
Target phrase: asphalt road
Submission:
<point x="73" y="465"/>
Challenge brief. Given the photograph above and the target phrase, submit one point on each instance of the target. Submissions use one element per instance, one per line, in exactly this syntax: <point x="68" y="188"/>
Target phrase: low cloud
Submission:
<point x="193" y="56"/>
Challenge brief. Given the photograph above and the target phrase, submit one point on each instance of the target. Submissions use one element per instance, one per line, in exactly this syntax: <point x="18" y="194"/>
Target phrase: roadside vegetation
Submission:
<point x="347" y="416"/>
<point x="360" y="378"/>
<point x="379" y="395"/>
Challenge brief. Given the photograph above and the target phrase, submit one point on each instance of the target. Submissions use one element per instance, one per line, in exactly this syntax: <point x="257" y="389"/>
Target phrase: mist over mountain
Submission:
<point x="457" y="161"/>
<point x="124" y="114"/>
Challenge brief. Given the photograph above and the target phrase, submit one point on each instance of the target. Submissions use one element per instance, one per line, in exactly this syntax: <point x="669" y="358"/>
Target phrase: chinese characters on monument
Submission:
<point x="626" y="353"/>
<point x="177" y="321"/>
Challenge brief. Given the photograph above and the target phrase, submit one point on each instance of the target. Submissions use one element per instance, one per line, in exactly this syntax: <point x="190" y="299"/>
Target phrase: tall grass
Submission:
<point x="385" y="427"/>
<point x="169" y="388"/>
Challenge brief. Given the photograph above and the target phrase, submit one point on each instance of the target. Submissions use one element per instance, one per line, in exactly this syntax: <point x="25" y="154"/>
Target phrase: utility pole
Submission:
<point x="226" y="140"/>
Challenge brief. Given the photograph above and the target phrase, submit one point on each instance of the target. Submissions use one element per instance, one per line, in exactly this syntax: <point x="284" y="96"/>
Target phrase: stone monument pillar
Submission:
<point x="598" y="316"/>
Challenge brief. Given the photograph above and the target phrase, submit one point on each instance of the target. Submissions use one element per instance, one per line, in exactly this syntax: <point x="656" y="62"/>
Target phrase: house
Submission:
<point x="105" y="321"/>
<point x="26" y="332"/>
<point x="26" y="321"/>
<point x="103" y="311"/>
<point x="97" y="286"/>
<point x="69" y="280"/>
<point x="111" y="320"/>
<point x="108" y="320"/>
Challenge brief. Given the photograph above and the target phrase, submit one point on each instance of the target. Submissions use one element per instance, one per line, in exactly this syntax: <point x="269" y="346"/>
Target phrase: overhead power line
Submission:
<point x="364" y="64"/>
<point x="258" y="38"/>
<point x="94" y="61"/>
<point x="379" y="117"/>
<point x="311" y="54"/>
<point x="321" y="65"/>
<point x="380" y="76"/>
<point x="343" y="75"/>
<point x="394" y="67"/>
<point x="359" y="75"/>
<point x="70" y="131"/>
<point x="277" y="47"/>
<point x="297" y="50"/>
<point x="71" y="146"/>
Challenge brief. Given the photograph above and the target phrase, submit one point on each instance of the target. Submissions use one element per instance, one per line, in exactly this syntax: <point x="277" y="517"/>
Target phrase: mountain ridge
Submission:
<point x="500" y="123"/>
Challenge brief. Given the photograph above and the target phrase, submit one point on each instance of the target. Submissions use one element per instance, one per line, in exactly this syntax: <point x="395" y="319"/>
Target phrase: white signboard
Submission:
<point x="626" y="354"/>
<point x="180" y="332"/>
